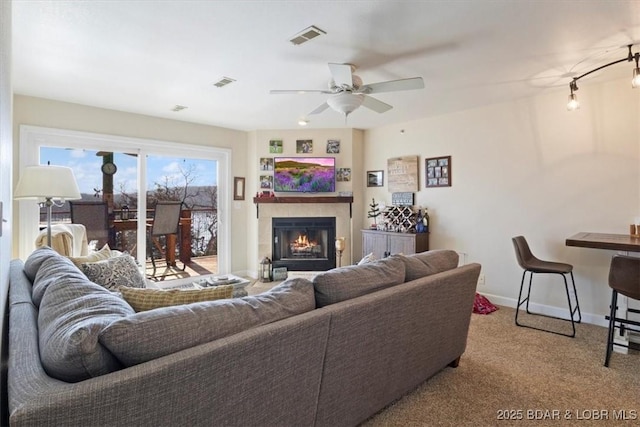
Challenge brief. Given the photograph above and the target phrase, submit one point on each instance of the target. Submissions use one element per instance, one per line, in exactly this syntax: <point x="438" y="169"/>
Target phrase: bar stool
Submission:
<point x="532" y="265"/>
<point x="624" y="278"/>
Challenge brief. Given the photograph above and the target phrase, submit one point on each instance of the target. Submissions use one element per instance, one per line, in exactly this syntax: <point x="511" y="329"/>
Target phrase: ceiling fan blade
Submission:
<point x="376" y="105"/>
<point x="320" y="109"/>
<point x="393" y="85"/>
<point x="341" y="74"/>
<point x="297" y="92"/>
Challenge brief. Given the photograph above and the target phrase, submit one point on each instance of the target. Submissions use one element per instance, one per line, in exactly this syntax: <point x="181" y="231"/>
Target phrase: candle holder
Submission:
<point x="340" y="245"/>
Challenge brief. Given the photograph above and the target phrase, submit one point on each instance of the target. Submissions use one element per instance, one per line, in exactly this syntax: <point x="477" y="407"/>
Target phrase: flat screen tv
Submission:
<point x="304" y="174"/>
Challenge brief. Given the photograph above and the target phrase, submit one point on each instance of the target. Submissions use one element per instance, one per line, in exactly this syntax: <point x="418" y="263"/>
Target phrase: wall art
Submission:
<point x="438" y="171"/>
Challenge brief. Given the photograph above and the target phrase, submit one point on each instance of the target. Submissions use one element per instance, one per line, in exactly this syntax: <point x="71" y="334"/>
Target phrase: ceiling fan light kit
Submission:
<point x="573" y="103"/>
<point x="348" y="92"/>
<point x="345" y="102"/>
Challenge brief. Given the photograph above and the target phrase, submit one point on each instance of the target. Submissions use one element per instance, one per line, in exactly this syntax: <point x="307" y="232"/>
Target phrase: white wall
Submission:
<point x="6" y="148"/>
<point x="530" y="168"/>
<point x="54" y="114"/>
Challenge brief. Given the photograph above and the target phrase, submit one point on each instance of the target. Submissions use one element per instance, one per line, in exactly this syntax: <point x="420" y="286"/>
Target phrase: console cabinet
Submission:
<point x="385" y="243"/>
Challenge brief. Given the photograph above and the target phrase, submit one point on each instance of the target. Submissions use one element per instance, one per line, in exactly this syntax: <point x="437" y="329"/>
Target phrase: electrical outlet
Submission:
<point x="481" y="280"/>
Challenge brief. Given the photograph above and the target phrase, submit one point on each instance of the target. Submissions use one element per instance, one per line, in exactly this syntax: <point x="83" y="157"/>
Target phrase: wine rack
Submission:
<point x="400" y="218"/>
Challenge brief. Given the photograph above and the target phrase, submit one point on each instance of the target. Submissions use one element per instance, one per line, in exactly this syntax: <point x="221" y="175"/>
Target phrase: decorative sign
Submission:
<point x="402" y="174"/>
<point x="402" y="199"/>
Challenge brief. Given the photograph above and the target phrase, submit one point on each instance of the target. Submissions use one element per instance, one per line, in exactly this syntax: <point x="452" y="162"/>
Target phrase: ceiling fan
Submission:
<point x="348" y="93"/>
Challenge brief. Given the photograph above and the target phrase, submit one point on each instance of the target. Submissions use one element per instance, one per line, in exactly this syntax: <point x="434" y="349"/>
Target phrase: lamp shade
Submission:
<point x="52" y="182"/>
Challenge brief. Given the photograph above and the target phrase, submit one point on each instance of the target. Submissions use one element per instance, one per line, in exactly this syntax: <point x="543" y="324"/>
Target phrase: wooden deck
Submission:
<point x="199" y="266"/>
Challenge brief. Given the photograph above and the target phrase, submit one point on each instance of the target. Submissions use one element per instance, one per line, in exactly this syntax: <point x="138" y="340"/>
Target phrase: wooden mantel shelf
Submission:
<point x="301" y="199"/>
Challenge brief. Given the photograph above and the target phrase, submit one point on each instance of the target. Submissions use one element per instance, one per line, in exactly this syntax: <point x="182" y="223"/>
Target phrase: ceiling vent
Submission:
<point x="223" y="82"/>
<point x="179" y="108"/>
<point x="306" y="35"/>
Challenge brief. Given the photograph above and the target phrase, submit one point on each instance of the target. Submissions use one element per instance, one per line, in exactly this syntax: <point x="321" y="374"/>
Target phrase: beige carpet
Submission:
<point x="508" y="368"/>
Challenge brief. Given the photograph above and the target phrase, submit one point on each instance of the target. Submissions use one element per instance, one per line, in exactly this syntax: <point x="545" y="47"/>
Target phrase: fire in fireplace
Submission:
<point x="304" y="243"/>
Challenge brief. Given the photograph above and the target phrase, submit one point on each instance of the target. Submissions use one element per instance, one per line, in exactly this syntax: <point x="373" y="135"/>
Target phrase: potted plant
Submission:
<point x="374" y="212"/>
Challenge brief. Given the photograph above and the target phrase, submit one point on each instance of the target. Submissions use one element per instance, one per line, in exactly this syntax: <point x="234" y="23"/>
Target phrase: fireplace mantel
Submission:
<point x="300" y="199"/>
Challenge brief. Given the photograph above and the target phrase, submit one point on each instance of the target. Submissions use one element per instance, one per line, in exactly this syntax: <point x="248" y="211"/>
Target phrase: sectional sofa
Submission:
<point x="331" y="351"/>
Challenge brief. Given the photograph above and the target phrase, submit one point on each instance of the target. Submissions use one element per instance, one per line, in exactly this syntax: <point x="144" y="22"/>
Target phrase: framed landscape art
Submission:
<point x="375" y="178"/>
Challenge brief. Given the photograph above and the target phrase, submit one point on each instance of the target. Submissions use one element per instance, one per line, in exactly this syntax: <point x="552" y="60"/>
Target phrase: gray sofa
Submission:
<point x="373" y="333"/>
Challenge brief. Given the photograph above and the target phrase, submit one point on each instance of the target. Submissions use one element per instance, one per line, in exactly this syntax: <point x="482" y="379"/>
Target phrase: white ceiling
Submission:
<point x="147" y="56"/>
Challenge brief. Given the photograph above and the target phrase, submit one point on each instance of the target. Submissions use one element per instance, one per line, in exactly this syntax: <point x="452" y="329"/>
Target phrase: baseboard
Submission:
<point x="593" y="319"/>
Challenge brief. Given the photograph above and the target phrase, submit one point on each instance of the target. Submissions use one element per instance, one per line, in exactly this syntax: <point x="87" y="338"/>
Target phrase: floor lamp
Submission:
<point x="49" y="185"/>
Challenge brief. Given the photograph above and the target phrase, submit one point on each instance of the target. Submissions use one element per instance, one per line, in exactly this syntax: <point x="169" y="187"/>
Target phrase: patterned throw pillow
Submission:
<point x="115" y="272"/>
<point x="148" y="299"/>
<point x="102" y="254"/>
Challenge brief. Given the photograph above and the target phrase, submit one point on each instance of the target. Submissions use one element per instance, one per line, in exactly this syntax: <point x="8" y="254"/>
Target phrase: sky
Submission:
<point x="86" y="166"/>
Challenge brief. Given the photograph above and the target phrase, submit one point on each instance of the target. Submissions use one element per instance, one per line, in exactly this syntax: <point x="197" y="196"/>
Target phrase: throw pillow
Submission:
<point x="148" y="299"/>
<point x="72" y="314"/>
<point x="102" y="254"/>
<point x="151" y="334"/>
<point x="367" y="258"/>
<point x="115" y="272"/>
<point x="356" y="280"/>
<point x="428" y="263"/>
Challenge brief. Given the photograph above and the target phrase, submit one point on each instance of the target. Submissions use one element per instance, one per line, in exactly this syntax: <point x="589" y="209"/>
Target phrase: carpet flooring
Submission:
<point x="513" y="376"/>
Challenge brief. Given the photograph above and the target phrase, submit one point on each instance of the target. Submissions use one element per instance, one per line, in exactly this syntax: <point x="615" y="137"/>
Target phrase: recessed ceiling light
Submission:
<point x="224" y="81"/>
<point x="307" y="34"/>
<point x="179" y="108"/>
<point x="303" y="122"/>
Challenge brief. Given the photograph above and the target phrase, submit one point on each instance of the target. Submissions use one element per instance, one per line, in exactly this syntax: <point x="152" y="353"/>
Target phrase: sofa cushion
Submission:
<point x="115" y="272"/>
<point x="72" y="314"/>
<point x="353" y="281"/>
<point x="54" y="268"/>
<point x="148" y="299"/>
<point x="35" y="260"/>
<point x="427" y="263"/>
<point x="151" y="334"/>
<point x="367" y="258"/>
<point x="102" y="254"/>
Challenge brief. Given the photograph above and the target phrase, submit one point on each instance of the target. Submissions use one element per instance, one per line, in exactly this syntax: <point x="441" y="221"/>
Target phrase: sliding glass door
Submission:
<point x="117" y="170"/>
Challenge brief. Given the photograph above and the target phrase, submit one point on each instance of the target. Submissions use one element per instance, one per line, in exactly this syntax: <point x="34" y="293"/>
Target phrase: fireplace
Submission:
<point x="304" y="243"/>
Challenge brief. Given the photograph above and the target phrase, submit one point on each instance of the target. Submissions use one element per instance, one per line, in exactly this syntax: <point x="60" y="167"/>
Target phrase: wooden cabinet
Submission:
<point x="384" y="243"/>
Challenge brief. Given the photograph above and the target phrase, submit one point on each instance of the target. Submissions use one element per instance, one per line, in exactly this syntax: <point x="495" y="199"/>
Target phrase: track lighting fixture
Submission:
<point x="573" y="103"/>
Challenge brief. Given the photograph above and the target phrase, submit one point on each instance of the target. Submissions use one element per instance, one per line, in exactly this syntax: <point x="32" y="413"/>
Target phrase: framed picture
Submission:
<point x="266" y="163"/>
<point x="333" y="146"/>
<point x="238" y="188"/>
<point x="343" y="174"/>
<point x="266" y="182"/>
<point x="275" y="146"/>
<point x="304" y="146"/>
<point x="438" y="171"/>
<point x="375" y="178"/>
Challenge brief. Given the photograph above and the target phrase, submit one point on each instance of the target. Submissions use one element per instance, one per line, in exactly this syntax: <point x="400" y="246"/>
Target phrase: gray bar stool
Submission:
<point x="624" y="278"/>
<point x="532" y="265"/>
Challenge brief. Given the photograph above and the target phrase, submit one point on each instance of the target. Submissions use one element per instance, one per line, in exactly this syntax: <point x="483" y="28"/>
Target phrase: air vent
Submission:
<point x="179" y="108"/>
<point x="223" y="82"/>
<point x="306" y="35"/>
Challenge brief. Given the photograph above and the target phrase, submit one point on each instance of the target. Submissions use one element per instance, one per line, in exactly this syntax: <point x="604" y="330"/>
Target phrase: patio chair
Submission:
<point x="166" y="222"/>
<point x="95" y="217"/>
